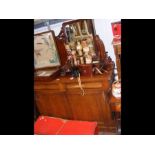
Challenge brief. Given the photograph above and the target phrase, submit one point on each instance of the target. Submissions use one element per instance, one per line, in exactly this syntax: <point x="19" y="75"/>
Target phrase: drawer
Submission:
<point x="85" y="85"/>
<point x="47" y="86"/>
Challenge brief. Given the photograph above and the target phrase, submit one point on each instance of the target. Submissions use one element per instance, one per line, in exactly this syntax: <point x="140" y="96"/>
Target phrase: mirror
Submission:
<point x="79" y="41"/>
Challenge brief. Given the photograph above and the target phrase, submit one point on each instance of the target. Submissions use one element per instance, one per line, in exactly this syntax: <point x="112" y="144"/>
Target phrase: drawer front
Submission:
<point x="47" y="86"/>
<point x="85" y="85"/>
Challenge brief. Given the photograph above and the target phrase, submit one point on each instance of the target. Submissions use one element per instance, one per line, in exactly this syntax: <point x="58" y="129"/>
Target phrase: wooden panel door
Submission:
<point x="87" y="107"/>
<point x="91" y="107"/>
<point x="52" y="104"/>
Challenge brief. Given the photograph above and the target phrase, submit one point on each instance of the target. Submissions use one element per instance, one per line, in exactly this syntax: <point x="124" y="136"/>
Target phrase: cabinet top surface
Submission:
<point x="69" y="79"/>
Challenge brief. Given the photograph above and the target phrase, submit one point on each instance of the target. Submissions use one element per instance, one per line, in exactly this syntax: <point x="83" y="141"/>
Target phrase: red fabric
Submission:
<point x="51" y="126"/>
<point x="78" y="128"/>
<point x="47" y="125"/>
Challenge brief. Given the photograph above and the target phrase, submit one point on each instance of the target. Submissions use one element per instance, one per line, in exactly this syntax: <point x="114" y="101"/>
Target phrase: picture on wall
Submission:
<point x="45" y="50"/>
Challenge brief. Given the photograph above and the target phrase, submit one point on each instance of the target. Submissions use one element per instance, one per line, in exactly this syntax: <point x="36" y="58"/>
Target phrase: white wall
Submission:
<point x="103" y="29"/>
<point x="55" y="27"/>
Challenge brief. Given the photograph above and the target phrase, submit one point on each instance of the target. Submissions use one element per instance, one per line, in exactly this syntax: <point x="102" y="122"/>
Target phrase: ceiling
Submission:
<point x="44" y="22"/>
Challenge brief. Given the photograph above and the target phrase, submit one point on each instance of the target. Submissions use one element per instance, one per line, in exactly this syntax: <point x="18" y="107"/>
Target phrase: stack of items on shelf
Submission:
<point x="81" y="52"/>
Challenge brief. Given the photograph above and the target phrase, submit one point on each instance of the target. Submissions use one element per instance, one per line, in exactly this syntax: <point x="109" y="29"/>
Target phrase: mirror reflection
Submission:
<point x="79" y="42"/>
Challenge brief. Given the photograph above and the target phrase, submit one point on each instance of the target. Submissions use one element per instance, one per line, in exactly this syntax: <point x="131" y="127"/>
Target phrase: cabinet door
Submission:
<point x="52" y="104"/>
<point x="91" y="107"/>
<point x="87" y="107"/>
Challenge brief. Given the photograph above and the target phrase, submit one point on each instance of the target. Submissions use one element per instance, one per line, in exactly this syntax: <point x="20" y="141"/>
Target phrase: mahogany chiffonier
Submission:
<point x="61" y="97"/>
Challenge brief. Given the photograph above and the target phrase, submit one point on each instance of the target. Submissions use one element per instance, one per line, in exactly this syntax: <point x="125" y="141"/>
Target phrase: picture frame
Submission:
<point x="46" y="54"/>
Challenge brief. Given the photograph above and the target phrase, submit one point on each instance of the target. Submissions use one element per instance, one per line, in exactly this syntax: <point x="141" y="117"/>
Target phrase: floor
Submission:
<point x="118" y="132"/>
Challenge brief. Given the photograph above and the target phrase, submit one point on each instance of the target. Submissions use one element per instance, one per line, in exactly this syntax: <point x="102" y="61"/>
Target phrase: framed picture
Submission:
<point x="45" y="50"/>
